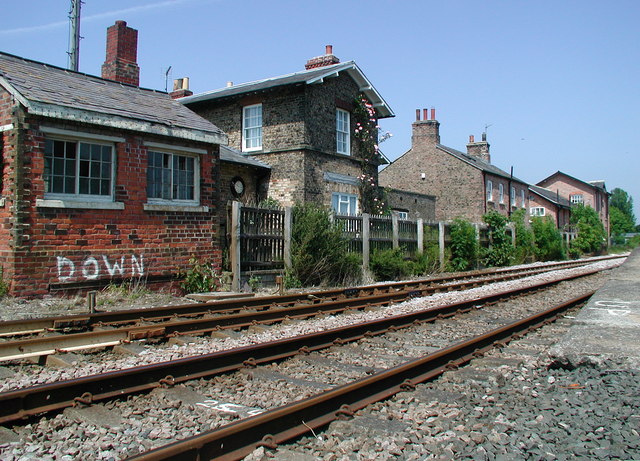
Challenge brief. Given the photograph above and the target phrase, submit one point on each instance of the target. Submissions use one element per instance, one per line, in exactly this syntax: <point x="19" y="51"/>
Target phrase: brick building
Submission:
<point x="301" y="125"/>
<point x="102" y="181"/>
<point x="465" y="185"/>
<point x="547" y="203"/>
<point x="576" y="191"/>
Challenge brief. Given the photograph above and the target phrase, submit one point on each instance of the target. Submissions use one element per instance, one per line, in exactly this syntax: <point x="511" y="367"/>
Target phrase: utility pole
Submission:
<point x="74" y="35"/>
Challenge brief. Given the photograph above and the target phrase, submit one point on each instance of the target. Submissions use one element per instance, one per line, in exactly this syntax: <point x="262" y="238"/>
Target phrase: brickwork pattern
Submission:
<point x="122" y="54"/>
<point x="58" y="247"/>
<point x="417" y="205"/>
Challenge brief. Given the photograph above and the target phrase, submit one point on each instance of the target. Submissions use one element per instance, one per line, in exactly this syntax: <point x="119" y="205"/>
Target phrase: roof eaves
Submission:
<point x="13" y="91"/>
<point x="112" y="121"/>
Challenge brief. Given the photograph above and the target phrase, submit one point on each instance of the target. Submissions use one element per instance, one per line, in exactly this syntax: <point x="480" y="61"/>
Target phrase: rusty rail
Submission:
<point x="23" y="403"/>
<point x="354" y="299"/>
<point x="274" y="427"/>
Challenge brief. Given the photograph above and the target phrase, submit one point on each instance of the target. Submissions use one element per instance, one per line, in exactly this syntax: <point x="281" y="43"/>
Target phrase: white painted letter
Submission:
<point x="139" y="265"/>
<point x="91" y="261"/>
<point x="115" y="268"/>
<point x="62" y="261"/>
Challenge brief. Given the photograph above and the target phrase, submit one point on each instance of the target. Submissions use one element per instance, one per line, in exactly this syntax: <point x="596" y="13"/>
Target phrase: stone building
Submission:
<point x="301" y="125"/>
<point x="576" y="191"/>
<point x="547" y="203"/>
<point x="465" y="185"/>
<point x="102" y="180"/>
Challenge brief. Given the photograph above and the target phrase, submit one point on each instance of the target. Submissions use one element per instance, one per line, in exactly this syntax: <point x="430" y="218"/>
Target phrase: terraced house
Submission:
<point x="301" y="125"/>
<point x="102" y="180"/>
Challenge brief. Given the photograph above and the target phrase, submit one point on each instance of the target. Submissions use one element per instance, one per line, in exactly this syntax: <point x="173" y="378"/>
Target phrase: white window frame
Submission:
<point x="523" y="197"/>
<point x="501" y="193"/>
<point x="350" y="200"/>
<point x="537" y="211"/>
<point x="196" y="176"/>
<point x="403" y="215"/>
<point x="251" y="122"/>
<point x="489" y="191"/>
<point x="63" y="199"/>
<point x="513" y="197"/>
<point x="343" y="132"/>
<point x="576" y="199"/>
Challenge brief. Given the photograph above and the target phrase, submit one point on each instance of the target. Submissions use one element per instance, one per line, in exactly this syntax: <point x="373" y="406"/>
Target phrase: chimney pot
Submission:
<point x="417" y="115"/>
<point x="326" y="59"/>
<point x="471" y="138"/>
<point x="425" y="114"/>
<point x="329" y="49"/>
<point x="433" y="113"/>
<point x="484" y="137"/>
<point x="180" y="88"/>
<point x="229" y="84"/>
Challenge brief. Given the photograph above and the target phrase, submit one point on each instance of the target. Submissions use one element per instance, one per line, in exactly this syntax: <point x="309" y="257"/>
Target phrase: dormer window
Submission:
<point x="252" y="128"/>
<point x="342" y="132"/>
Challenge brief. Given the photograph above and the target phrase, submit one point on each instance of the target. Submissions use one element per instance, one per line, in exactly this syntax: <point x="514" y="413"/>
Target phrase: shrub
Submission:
<point x="390" y="264"/>
<point x="464" y="246"/>
<point x="500" y="251"/>
<point x="426" y="262"/>
<point x="199" y="278"/>
<point x="525" y="248"/>
<point x="548" y="239"/>
<point x="591" y="234"/>
<point x="319" y="249"/>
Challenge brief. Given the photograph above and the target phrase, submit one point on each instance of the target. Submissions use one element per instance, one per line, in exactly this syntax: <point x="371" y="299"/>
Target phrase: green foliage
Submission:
<point x="621" y="200"/>
<point x="199" y="278"/>
<point x="548" y="239"/>
<point x="290" y="280"/>
<point x="620" y="222"/>
<point x="270" y="203"/>
<point x="525" y="248"/>
<point x="254" y="283"/>
<point x="591" y="234"/>
<point x="4" y="286"/>
<point x="319" y="250"/>
<point x="426" y="262"/>
<point x="501" y="250"/>
<point x="390" y="264"/>
<point x="464" y="246"/>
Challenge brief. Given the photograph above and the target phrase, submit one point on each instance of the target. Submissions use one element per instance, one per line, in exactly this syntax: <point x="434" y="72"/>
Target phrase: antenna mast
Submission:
<point x="74" y="35"/>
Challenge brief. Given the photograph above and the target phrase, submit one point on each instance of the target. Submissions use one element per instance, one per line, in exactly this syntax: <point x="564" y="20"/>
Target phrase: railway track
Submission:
<point x="107" y="329"/>
<point x="412" y="330"/>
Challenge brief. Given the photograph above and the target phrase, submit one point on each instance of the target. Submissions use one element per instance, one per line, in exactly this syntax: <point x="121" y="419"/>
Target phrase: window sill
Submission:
<point x="97" y="205"/>
<point x="170" y="207"/>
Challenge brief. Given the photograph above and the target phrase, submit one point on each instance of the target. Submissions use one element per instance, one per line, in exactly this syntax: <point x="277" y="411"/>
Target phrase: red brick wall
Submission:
<point x="69" y="247"/>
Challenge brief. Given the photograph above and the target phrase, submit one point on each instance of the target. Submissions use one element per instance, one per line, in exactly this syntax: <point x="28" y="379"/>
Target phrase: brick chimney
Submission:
<point x="479" y="149"/>
<point x="180" y="88"/>
<point x="426" y="130"/>
<point x="320" y="61"/>
<point x="122" y="54"/>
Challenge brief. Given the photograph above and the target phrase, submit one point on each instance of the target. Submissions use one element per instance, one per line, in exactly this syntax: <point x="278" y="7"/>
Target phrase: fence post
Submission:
<point x="395" y="231"/>
<point x="513" y="233"/>
<point x="441" y="243"/>
<point x="234" y="251"/>
<point x="420" y="237"/>
<point x="288" y="223"/>
<point x="365" y="243"/>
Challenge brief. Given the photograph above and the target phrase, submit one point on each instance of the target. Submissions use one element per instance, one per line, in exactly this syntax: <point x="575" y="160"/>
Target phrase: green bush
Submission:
<point x="200" y="278"/>
<point x="525" y="248"/>
<point x="464" y="246"/>
<point x="548" y="239"/>
<point x="319" y="253"/>
<point x="501" y="250"/>
<point x="427" y="262"/>
<point x="390" y="264"/>
<point x="591" y="234"/>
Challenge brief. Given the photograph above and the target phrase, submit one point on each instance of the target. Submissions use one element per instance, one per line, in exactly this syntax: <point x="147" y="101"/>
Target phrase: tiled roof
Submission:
<point x="478" y="163"/>
<point x="227" y="154"/>
<point x="305" y="77"/>
<point x="60" y="93"/>
<point x="553" y="197"/>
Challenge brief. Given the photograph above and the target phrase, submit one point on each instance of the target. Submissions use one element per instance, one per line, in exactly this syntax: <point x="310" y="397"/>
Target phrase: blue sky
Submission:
<point x="557" y="82"/>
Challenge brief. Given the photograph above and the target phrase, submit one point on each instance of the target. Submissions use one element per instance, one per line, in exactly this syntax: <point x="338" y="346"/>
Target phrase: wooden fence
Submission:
<point x="260" y="239"/>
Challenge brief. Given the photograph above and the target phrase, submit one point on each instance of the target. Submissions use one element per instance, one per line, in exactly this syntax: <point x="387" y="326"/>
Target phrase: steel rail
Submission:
<point x="47" y="345"/>
<point x="23" y="403"/>
<point x="236" y="440"/>
<point x="89" y="320"/>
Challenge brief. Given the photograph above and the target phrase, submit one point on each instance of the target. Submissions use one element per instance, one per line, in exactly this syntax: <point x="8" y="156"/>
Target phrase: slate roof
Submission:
<point x="596" y="184"/>
<point x="60" y="93"/>
<point x="553" y="197"/>
<point x="227" y="154"/>
<point x="478" y="163"/>
<point x="305" y="77"/>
